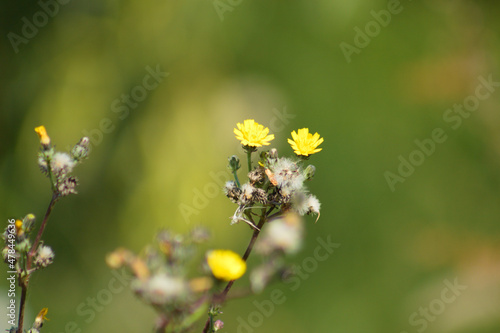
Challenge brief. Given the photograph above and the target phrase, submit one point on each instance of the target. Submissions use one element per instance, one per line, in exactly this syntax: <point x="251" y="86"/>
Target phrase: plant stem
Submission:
<point x="249" y="159"/>
<point x="24" y="281"/>
<point x="235" y="174"/>
<point x="162" y="324"/>
<point x="24" y="292"/>
<point x="33" y="249"/>
<point x="222" y="297"/>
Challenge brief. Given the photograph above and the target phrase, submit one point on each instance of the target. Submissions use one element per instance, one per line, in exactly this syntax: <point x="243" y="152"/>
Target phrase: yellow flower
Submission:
<point x="40" y="318"/>
<point x="42" y="133"/>
<point x="226" y="265"/>
<point x="19" y="228"/>
<point x="304" y="143"/>
<point x="253" y="134"/>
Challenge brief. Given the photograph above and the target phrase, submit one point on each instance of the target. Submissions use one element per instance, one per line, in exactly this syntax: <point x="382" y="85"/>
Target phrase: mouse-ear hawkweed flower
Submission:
<point x="42" y="134"/>
<point x="305" y="143"/>
<point x="226" y="265"/>
<point x="253" y="134"/>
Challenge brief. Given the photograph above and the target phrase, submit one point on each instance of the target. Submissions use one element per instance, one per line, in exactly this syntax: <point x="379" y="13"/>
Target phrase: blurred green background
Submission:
<point x="232" y="60"/>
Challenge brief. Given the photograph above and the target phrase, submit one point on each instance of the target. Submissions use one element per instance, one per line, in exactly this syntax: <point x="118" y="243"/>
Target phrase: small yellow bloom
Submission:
<point x="40" y="318"/>
<point x="19" y="228"/>
<point x="304" y="143"/>
<point x="253" y="134"/>
<point x="42" y="133"/>
<point x="226" y="265"/>
<point x="140" y="269"/>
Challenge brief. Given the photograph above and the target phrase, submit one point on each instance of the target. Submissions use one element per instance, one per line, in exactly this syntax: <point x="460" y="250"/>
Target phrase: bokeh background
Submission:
<point x="232" y="60"/>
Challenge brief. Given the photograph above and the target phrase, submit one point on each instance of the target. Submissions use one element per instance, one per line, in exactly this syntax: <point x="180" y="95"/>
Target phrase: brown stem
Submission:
<point x="33" y="249"/>
<point x="222" y="296"/>
<point x="25" y="281"/>
<point x="161" y="324"/>
<point x="24" y="292"/>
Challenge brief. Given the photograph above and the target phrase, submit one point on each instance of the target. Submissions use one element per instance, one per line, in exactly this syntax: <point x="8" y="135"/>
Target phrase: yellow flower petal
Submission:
<point x="253" y="134"/>
<point x="305" y="143"/>
<point x="42" y="134"/>
<point x="226" y="265"/>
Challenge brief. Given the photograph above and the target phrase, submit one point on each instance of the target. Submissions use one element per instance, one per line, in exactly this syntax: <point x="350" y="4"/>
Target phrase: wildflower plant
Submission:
<point x="23" y="254"/>
<point x="271" y="200"/>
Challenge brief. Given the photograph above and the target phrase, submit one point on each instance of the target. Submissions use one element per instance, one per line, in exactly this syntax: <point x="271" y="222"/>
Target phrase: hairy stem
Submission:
<point x="249" y="159"/>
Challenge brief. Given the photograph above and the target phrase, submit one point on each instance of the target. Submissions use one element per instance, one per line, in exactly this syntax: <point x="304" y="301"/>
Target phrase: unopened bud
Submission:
<point x="309" y="172"/>
<point x="273" y="153"/>
<point x="81" y="150"/>
<point x="219" y="324"/>
<point x="44" y="137"/>
<point x="28" y="222"/>
<point x="234" y="163"/>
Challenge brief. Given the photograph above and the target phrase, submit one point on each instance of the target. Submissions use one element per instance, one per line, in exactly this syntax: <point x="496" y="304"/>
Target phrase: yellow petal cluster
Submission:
<point x="42" y="134"/>
<point x="305" y="143"/>
<point x="226" y="265"/>
<point x="253" y="134"/>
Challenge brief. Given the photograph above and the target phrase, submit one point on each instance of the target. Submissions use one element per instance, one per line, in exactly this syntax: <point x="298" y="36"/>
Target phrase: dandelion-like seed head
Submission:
<point x="45" y="256"/>
<point x="226" y="265"/>
<point x="252" y="134"/>
<point x="62" y="163"/>
<point x="163" y="289"/>
<point x="313" y="204"/>
<point x="247" y="191"/>
<point x="287" y="176"/>
<point x="283" y="234"/>
<point x="305" y="143"/>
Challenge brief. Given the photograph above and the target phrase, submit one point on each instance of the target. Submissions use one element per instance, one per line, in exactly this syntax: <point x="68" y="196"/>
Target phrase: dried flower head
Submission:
<point x="284" y="234"/>
<point x="61" y="164"/>
<point x="287" y="176"/>
<point x="232" y="191"/>
<point x="253" y="134"/>
<point x="68" y="186"/>
<point x="305" y="143"/>
<point x="162" y="289"/>
<point x="226" y="265"/>
<point x="45" y="256"/>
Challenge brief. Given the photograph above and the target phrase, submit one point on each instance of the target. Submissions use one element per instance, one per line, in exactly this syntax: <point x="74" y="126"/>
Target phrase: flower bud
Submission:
<point x="44" y="137"/>
<point x="40" y="318"/>
<point x="273" y="154"/>
<point x="28" y="222"/>
<point x="309" y="172"/>
<point x="219" y="324"/>
<point x="81" y="150"/>
<point x="234" y="163"/>
<point x="19" y="228"/>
